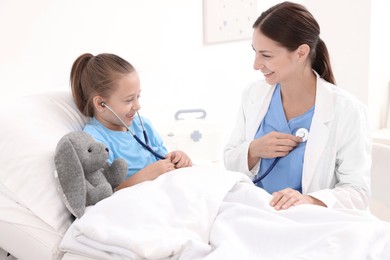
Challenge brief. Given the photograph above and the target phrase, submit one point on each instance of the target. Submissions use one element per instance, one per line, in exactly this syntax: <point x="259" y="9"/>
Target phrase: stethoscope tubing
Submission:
<point x="145" y="144"/>
<point x="268" y="171"/>
<point x="147" y="147"/>
<point x="301" y="132"/>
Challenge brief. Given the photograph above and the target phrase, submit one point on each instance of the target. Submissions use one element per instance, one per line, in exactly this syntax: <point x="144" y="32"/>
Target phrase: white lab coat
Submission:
<point x="337" y="158"/>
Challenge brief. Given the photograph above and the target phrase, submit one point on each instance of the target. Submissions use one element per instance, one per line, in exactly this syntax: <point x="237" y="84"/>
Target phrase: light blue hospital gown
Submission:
<point x="123" y="145"/>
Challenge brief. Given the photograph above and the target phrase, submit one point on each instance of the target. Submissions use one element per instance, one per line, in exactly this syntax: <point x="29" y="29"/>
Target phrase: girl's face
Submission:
<point x="273" y="60"/>
<point x="124" y="101"/>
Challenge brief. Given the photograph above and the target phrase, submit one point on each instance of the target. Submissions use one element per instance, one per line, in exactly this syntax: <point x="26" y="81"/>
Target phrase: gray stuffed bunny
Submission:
<point x="82" y="171"/>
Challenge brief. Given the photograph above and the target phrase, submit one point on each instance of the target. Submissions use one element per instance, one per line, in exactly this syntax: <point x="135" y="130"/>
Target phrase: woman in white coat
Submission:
<point x="318" y="134"/>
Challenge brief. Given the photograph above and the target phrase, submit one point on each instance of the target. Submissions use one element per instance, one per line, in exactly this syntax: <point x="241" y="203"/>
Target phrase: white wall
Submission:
<point x="380" y="64"/>
<point x="358" y="40"/>
<point x="164" y="40"/>
<point x="345" y="28"/>
<point x="41" y="39"/>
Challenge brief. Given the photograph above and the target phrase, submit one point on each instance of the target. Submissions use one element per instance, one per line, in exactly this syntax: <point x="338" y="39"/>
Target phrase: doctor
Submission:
<point x="329" y="163"/>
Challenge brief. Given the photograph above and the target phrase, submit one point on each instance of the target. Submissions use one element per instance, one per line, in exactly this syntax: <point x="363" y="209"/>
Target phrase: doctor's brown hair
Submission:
<point x="96" y="75"/>
<point x="292" y="25"/>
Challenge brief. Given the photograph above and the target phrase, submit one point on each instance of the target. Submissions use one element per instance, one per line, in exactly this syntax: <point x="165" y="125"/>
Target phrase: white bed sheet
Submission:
<point x="209" y="213"/>
<point x="70" y="256"/>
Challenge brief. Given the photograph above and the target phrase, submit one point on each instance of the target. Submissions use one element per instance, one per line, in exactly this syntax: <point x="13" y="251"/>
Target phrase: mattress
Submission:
<point x="20" y="228"/>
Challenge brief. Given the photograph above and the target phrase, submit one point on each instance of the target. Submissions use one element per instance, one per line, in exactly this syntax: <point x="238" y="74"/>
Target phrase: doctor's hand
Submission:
<point x="286" y="198"/>
<point x="179" y="159"/>
<point x="271" y="145"/>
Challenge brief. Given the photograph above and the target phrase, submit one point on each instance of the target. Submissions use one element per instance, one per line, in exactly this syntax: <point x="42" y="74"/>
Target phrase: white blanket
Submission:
<point x="210" y="213"/>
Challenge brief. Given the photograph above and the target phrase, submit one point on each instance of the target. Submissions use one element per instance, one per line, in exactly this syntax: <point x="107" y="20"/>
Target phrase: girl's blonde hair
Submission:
<point x="96" y="75"/>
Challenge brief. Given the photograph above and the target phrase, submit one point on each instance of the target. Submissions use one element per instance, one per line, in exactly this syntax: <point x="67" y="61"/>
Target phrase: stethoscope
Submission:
<point x="302" y="133"/>
<point x="143" y="144"/>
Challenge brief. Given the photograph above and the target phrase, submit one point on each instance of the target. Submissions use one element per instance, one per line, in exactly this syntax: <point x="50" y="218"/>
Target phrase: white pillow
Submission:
<point x="31" y="128"/>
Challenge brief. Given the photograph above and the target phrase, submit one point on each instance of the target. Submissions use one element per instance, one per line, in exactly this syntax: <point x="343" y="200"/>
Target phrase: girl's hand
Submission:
<point x="286" y="198"/>
<point x="149" y="173"/>
<point x="153" y="170"/>
<point x="179" y="159"/>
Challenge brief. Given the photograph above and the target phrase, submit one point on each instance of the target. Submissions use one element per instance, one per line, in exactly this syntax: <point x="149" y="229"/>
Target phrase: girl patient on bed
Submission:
<point x="107" y="88"/>
<point x="315" y="134"/>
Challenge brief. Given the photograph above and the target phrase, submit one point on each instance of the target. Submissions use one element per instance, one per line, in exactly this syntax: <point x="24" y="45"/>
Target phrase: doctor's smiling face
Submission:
<point x="274" y="61"/>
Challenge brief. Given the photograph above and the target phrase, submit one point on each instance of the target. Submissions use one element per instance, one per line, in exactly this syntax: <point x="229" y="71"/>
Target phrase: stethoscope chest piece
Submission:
<point x="302" y="133"/>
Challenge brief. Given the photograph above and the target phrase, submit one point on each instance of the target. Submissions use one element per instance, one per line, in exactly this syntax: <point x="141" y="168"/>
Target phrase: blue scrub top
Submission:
<point x="287" y="173"/>
<point x="123" y="144"/>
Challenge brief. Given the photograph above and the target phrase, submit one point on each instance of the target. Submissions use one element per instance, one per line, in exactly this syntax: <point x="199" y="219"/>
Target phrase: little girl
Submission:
<point x="104" y="87"/>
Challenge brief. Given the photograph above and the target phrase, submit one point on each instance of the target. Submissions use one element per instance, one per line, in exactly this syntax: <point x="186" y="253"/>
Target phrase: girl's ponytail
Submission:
<point x="77" y="83"/>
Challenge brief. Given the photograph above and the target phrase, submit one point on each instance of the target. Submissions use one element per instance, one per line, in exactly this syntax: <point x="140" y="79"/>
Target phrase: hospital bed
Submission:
<point x="36" y="225"/>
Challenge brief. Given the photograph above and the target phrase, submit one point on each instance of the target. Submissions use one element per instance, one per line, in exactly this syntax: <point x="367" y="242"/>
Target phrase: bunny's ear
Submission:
<point x="70" y="176"/>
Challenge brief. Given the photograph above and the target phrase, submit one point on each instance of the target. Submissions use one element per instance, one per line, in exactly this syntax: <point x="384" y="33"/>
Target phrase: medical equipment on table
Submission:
<point x="192" y="130"/>
<point x="143" y="144"/>
<point x="302" y="133"/>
